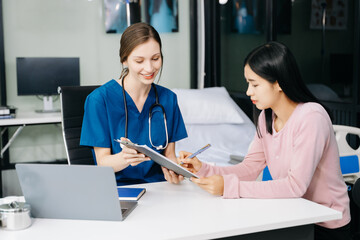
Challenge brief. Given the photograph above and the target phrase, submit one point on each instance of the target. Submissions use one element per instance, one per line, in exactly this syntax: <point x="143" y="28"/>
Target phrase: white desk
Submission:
<point x="185" y="211"/>
<point x="31" y="118"/>
<point x="22" y="120"/>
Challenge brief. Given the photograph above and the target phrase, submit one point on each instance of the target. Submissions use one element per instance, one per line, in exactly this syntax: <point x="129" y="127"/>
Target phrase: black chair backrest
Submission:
<point x="72" y="112"/>
<point x="356" y="192"/>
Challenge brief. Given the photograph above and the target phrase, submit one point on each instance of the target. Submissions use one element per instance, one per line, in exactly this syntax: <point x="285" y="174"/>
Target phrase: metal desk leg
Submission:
<point x="3" y="150"/>
<point x="12" y="139"/>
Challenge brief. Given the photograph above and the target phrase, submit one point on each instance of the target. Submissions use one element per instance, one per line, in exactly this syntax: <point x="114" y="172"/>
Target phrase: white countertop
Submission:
<point x="184" y="211"/>
<point x="31" y="118"/>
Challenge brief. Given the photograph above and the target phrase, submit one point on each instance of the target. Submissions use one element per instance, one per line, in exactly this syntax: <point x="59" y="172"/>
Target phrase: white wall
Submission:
<point x="74" y="28"/>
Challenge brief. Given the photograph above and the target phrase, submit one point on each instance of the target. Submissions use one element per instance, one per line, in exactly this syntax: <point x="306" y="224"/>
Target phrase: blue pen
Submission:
<point x="198" y="152"/>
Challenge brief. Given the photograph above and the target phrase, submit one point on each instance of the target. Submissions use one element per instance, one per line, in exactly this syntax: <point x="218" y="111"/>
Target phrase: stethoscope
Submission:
<point x="156" y="104"/>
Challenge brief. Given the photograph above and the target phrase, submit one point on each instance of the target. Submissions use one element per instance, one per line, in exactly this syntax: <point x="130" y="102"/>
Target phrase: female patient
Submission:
<point x="122" y="108"/>
<point x="295" y="139"/>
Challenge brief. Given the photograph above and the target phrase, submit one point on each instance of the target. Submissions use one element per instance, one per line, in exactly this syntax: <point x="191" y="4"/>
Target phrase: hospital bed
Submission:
<point x="349" y="157"/>
<point x="211" y="116"/>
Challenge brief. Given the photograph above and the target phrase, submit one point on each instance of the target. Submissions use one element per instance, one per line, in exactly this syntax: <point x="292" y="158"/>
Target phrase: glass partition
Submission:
<point x="242" y="24"/>
<point x="243" y="27"/>
<point x="324" y="52"/>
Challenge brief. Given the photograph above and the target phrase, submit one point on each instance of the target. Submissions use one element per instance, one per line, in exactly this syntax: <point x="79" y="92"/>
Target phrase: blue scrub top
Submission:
<point x="104" y="121"/>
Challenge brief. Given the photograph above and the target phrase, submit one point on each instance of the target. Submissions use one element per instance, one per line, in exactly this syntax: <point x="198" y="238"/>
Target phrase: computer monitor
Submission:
<point x="43" y="76"/>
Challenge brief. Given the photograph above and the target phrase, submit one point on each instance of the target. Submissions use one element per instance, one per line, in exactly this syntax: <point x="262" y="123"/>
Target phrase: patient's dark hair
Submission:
<point x="274" y="62"/>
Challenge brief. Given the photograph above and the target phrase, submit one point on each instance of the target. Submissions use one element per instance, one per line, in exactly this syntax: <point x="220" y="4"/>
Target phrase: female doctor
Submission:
<point x="295" y="139"/>
<point x="134" y="108"/>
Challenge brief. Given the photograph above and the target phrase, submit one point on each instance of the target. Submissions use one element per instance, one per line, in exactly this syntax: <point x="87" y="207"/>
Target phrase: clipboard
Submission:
<point x="160" y="159"/>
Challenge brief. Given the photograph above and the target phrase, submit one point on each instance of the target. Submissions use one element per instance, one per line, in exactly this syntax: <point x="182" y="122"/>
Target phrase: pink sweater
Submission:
<point x="303" y="159"/>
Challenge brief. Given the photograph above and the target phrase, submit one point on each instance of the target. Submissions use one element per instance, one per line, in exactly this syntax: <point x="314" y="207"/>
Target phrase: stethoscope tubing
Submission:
<point x="156" y="104"/>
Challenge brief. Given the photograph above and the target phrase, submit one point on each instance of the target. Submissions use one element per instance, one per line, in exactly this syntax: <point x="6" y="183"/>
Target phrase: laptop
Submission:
<point x="72" y="192"/>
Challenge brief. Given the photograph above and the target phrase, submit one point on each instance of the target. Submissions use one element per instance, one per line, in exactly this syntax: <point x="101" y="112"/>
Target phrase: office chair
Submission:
<point x="356" y="193"/>
<point x="72" y="111"/>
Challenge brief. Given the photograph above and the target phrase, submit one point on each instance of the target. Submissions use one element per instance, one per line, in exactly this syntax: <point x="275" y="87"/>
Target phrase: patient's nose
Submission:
<point x="249" y="91"/>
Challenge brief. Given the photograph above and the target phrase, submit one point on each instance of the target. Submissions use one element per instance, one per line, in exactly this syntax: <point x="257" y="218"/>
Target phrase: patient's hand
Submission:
<point x="191" y="164"/>
<point x="171" y="176"/>
<point x="213" y="184"/>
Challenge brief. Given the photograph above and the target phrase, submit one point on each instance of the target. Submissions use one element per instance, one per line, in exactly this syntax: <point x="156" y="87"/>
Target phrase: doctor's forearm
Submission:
<point x="114" y="161"/>
<point x="105" y="158"/>
<point x="169" y="152"/>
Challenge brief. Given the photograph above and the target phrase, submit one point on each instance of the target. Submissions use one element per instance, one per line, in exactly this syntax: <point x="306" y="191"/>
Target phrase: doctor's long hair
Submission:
<point x="133" y="36"/>
<point x="274" y="62"/>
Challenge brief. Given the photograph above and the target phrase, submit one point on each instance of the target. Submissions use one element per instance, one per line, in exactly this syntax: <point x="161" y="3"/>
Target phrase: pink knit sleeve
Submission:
<point x="310" y="138"/>
<point x="248" y="170"/>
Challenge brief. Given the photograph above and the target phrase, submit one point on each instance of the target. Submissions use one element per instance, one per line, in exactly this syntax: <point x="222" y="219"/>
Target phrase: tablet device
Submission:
<point x="160" y="159"/>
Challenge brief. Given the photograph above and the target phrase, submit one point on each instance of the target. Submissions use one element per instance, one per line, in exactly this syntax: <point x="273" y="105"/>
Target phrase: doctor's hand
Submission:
<point x="131" y="156"/>
<point x="191" y="164"/>
<point x="213" y="184"/>
<point x="171" y="176"/>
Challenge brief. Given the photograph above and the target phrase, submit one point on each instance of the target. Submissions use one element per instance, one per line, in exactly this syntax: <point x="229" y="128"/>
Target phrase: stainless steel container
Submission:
<point x="15" y="216"/>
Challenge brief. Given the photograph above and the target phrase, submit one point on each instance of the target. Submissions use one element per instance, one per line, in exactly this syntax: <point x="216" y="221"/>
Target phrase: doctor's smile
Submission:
<point x="148" y="76"/>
